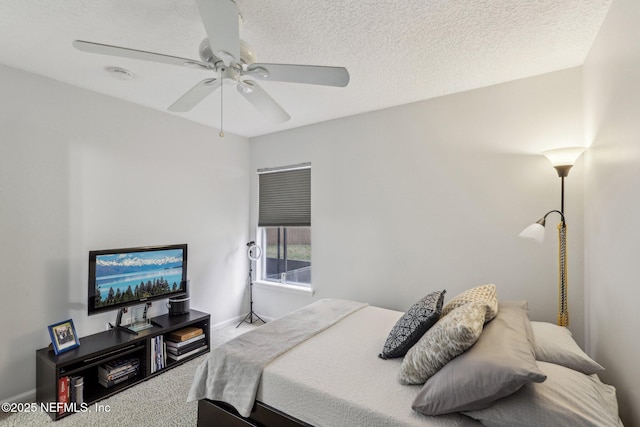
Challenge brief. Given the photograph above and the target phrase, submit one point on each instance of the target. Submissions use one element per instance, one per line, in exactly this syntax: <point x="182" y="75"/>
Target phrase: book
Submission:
<point x="117" y="375"/>
<point x="183" y="356"/>
<point x="164" y="353"/>
<point x="159" y="348"/>
<point x="107" y="373"/>
<point x="158" y="353"/>
<point x="186" y="349"/>
<point x="185" y="334"/>
<point x="153" y="355"/>
<point x="118" y="365"/>
<point x="63" y="392"/>
<point x="176" y="344"/>
<point x="118" y="380"/>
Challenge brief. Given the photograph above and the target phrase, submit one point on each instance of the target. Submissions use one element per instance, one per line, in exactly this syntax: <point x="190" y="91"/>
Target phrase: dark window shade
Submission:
<point x="285" y="198"/>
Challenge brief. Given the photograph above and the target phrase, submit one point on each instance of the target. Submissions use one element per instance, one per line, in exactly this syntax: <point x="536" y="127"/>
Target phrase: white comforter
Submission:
<point x="337" y="379"/>
<point x="232" y="371"/>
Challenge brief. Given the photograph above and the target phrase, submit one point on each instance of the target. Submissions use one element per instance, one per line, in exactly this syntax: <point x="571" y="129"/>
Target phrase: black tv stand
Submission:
<point x="97" y="349"/>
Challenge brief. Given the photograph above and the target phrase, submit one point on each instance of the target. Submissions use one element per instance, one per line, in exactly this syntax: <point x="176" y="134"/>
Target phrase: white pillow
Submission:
<point x="555" y="344"/>
<point x="566" y="399"/>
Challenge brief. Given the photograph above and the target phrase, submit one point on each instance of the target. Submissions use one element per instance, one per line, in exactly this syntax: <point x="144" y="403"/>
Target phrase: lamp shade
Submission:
<point x="535" y="231"/>
<point x="564" y="156"/>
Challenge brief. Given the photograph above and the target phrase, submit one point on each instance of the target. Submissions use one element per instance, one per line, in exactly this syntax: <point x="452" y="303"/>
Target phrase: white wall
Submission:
<point x="612" y="202"/>
<point x="432" y="195"/>
<point x="82" y="171"/>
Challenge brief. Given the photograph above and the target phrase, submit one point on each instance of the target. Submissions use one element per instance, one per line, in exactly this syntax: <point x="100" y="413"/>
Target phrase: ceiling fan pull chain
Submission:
<point x="221" y="103"/>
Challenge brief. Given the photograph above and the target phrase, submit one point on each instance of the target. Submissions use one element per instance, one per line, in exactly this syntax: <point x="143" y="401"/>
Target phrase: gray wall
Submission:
<point x="612" y="202"/>
<point x="82" y="171"/>
<point x="432" y="195"/>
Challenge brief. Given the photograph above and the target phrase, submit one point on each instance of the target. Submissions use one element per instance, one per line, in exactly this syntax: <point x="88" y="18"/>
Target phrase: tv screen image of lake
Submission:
<point x="119" y="271"/>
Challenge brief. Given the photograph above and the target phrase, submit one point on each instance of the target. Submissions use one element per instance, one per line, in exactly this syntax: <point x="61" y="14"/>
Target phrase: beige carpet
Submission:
<point x="160" y="401"/>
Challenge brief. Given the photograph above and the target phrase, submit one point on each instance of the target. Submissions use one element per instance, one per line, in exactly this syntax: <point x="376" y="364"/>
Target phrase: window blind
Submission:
<point x="285" y="196"/>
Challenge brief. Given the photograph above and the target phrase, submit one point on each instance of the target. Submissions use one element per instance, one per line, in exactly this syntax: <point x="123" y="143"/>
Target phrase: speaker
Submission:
<point x="178" y="305"/>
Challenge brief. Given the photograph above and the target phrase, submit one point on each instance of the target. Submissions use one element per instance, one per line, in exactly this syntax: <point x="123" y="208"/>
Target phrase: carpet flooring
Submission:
<point x="159" y="401"/>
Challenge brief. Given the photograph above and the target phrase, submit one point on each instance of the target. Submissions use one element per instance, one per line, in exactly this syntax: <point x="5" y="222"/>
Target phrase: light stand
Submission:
<point x="562" y="160"/>
<point x="253" y="253"/>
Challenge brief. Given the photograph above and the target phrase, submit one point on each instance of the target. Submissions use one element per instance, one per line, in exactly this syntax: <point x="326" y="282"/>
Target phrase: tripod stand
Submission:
<point x="252" y="248"/>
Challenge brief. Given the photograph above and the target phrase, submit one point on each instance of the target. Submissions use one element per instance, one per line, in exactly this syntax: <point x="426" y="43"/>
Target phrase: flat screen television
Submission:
<point x="120" y="278"/>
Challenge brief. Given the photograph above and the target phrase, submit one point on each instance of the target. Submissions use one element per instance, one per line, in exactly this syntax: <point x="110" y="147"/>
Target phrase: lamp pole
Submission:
<point x="563" y="305"/>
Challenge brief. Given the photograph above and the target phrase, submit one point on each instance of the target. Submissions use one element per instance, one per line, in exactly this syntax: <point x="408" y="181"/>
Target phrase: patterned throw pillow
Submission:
<point x="412" y="325"/>
<point x="484" y="294"/>
<point x="447" y="339"/>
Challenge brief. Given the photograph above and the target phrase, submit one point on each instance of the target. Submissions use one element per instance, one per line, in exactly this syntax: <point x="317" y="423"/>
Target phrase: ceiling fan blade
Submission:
<point x="195" y="95"/>
<point x="105" y="49"/>
<point x="262" y="101"/>
<point x="220" y="18"/>
<point x="308" y="74"/>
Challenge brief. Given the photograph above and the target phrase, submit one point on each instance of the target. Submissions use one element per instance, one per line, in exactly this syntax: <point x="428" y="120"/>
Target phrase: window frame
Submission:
<point x="284" y="201"/>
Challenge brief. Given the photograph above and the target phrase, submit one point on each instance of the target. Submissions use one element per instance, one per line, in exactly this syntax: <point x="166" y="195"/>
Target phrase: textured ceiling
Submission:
<point x="396" y="51"/>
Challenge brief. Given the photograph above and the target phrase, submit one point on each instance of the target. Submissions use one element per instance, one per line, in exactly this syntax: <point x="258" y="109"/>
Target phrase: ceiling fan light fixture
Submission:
<point x="230" y="75"/>
<point x="231" y="59"/>
<point x="246" y="86"/>
<point x="247" y="54"/>
<point x="119" y="73"/>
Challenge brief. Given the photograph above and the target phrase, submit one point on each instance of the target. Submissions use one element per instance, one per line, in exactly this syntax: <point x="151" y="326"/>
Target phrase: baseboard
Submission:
<point x="27" y="396"/>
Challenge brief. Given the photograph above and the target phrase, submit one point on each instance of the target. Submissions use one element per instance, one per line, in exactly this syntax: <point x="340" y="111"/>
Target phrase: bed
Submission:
<point x="332" y="375"/>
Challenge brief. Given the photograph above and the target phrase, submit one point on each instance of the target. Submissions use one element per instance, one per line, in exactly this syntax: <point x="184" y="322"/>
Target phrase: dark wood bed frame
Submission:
<point x="214" y="413"/>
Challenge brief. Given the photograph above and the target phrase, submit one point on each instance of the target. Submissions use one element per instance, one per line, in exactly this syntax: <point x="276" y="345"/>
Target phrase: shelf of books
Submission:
<point x="185" y="343"/>
<point x="93" y="379"/>
<point x="109" y="362"/>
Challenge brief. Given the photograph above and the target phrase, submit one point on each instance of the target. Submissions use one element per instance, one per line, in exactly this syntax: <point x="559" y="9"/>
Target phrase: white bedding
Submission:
<point x="334" y="378"/>
<point x="232" y="371"/>
<point x="328" y="381"/>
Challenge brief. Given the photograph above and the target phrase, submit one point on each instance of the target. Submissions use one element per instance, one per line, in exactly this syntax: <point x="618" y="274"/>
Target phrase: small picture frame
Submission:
<point x="63" y="336"/>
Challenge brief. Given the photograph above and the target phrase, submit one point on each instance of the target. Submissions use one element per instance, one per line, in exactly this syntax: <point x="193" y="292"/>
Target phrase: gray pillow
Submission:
<point x="412" y="325"/>
<point x="555" y="344"/>
<point x="450" y="337"/>
<point x="500" y="362"/>
<point x="567" y="399"/>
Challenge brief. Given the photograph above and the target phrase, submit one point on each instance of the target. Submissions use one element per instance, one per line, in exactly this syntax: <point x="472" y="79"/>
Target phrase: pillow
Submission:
<point x="412" y="325"/>
<point x="497" y="365"/>
<point x="484" y="293"/>
<point x="568" y="398"/>
<point x="555" y="344"/>
<point x="449" y="337"/>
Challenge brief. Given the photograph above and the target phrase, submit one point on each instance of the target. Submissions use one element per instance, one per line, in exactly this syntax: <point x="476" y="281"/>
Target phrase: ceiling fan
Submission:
<point x="233" y="62"/>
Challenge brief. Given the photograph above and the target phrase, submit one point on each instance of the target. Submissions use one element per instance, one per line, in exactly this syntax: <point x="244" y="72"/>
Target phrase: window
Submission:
<point x="284" y="224"/>
<point x="287" y="257"/>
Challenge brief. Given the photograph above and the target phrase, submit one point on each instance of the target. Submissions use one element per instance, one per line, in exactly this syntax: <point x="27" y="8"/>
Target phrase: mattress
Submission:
<point x="328" y="379"/>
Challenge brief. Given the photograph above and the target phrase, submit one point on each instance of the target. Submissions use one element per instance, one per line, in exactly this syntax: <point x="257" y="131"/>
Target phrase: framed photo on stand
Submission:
<point x="63" y="336"/>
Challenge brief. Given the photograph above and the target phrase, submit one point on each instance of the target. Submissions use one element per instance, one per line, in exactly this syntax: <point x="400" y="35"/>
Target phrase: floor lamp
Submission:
<point x="562" y="160"/>
<point x="254" y="252"/>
